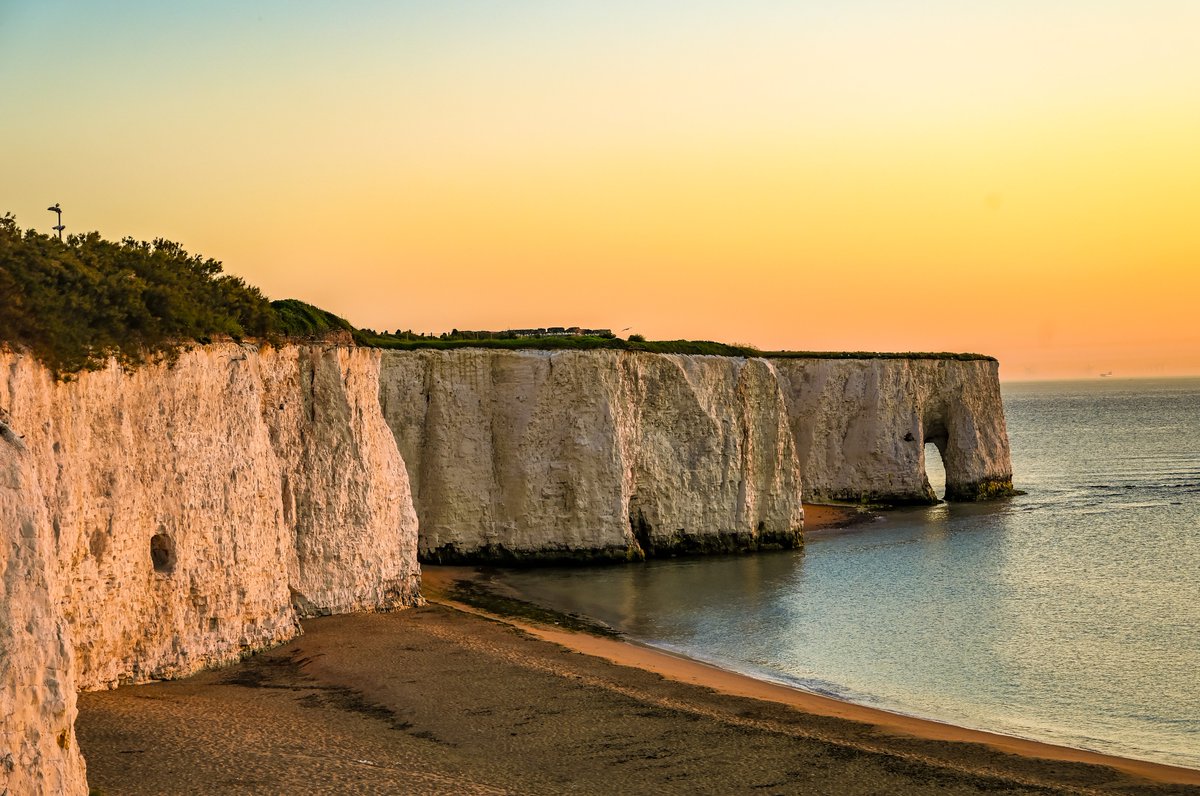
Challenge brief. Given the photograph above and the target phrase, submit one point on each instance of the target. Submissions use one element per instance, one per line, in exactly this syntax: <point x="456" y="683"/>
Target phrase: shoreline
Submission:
<point x="438" y="582"/>
<point x="490" y="695"/>
<point x="827" y="517"/>
<point x="446" y="700"/>
<point x="630" y="652"/>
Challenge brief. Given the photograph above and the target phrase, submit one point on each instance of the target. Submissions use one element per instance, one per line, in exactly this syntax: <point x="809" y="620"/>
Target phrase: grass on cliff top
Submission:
<point x="296" y="319"/>
<point x="579" y="343"/>
<point x="407" y="341"/>
<point x="589" y="343"/>
<point x="961" y="357"/>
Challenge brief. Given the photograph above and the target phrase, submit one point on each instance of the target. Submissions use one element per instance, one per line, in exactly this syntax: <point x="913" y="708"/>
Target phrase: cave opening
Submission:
<point x="162" y="553"/>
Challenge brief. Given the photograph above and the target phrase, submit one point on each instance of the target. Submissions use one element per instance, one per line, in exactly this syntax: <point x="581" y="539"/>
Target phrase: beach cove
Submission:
<point x="448" y="698"/>
<point x="307" y="480"/>
<point x="437" y="700"/>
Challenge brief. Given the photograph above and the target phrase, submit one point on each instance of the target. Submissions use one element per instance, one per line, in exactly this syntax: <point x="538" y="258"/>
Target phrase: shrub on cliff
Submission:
<point x="75" y="302"/>
<point x="295" y="318"/>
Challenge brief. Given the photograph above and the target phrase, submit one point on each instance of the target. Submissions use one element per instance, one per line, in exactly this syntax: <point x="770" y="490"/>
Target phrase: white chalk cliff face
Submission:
<point x="344" y="489"/>
<point x="861" y="426"/>
<point x="189" y="506"/>
<point x="178" y="516"/>
<point x="522" y="455"/>
<point x="38" y="753"/>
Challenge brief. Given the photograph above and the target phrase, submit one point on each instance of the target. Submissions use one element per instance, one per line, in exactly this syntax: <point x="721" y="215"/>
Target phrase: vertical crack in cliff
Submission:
<point x="640" y="529"/>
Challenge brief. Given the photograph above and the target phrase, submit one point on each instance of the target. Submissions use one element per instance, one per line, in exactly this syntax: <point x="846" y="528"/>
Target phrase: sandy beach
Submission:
<point x="451" y="699"/>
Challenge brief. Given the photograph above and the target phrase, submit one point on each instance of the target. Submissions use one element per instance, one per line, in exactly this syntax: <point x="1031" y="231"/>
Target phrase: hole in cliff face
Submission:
<point x="162" y="553"/>
<point x="98" y="544"/>
<point x="935" y="471"/>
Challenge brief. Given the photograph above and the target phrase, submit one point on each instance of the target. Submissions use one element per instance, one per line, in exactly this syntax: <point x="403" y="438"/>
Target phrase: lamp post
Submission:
<point x="58" y="227"/>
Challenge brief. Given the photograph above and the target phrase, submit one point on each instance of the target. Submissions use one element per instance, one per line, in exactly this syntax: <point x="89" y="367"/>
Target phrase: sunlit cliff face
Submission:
<point x="1018" y="180"/>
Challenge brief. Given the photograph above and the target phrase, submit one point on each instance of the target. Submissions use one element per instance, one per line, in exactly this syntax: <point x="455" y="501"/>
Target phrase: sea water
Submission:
<point x="1069" y="615"/>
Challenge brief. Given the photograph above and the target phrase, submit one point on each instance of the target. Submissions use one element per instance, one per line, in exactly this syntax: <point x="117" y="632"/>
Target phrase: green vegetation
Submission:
<point x="294" y="318"/>
<point x="408" y="342"/>
<point x="76" y="302"/>
<point x="876" y="355"/>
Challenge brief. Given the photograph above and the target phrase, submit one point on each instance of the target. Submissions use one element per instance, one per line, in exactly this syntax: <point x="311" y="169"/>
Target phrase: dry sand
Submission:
<point x="440" y="699"/>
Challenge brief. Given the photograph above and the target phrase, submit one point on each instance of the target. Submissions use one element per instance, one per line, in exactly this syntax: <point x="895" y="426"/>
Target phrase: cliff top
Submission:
<point x="517" y="340"/>
<point x="588" y="343"/>
<point x="960" y="356"/>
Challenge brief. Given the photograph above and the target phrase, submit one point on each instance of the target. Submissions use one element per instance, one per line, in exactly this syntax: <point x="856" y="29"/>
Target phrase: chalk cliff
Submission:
<point x="175" y="517"/>
<point x="520" y="455"/>
<point x="178" y="516"/>
<point x="193" y="511"/>
<point x="38" y="753"/>
<point x="861" y="426"/>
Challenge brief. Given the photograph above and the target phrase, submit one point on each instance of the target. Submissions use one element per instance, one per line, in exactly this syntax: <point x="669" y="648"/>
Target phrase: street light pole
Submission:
<point x="59" y="227"/>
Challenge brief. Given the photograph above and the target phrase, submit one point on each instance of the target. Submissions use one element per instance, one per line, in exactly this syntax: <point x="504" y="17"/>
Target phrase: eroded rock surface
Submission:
<point x="188" y="506"/>
<point x="531" y="455"/>
<point x="861" y="426"/>
<point x="178" y="516"/>
<point x="38" y="753"/>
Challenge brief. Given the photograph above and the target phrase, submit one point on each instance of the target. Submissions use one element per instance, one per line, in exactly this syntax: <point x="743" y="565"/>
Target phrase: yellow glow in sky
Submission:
<point x="1020" y="181"/>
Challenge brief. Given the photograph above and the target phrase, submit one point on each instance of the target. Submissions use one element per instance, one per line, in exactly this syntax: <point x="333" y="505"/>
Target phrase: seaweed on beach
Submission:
<point x="478" y="595"/>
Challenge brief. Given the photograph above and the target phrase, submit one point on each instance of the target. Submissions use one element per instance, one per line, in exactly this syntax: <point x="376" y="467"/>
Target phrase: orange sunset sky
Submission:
<point x="1020" y="179"/>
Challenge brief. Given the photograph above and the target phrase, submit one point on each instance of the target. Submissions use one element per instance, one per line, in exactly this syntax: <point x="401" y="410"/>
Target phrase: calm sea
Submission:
<point x="1069" y="615"/>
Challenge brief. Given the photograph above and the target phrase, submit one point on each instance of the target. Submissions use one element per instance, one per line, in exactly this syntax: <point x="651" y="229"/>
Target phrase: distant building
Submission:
<point x="543" y="331"/>
<point x="558" y="331"/>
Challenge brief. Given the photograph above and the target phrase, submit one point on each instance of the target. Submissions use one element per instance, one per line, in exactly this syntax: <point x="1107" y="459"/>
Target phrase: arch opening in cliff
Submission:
<point x="935" y="440"/>
<point x="935" y="470"/>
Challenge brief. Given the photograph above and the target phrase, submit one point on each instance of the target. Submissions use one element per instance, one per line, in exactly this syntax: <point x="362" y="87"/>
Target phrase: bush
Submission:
<point x="75" y="302"/>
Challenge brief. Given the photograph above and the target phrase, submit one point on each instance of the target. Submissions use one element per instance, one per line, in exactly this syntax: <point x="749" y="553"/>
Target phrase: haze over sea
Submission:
<point x="1069" y="615"/>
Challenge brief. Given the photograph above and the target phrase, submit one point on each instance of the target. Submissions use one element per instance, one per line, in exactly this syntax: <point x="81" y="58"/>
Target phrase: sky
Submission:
<point x="1018" y="179"/>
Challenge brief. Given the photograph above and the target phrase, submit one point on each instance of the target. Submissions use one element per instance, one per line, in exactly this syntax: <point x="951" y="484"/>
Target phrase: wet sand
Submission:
<point x="441" y="700"/>
<point x="445" y="699"/>
<point x="825" y="517"/>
